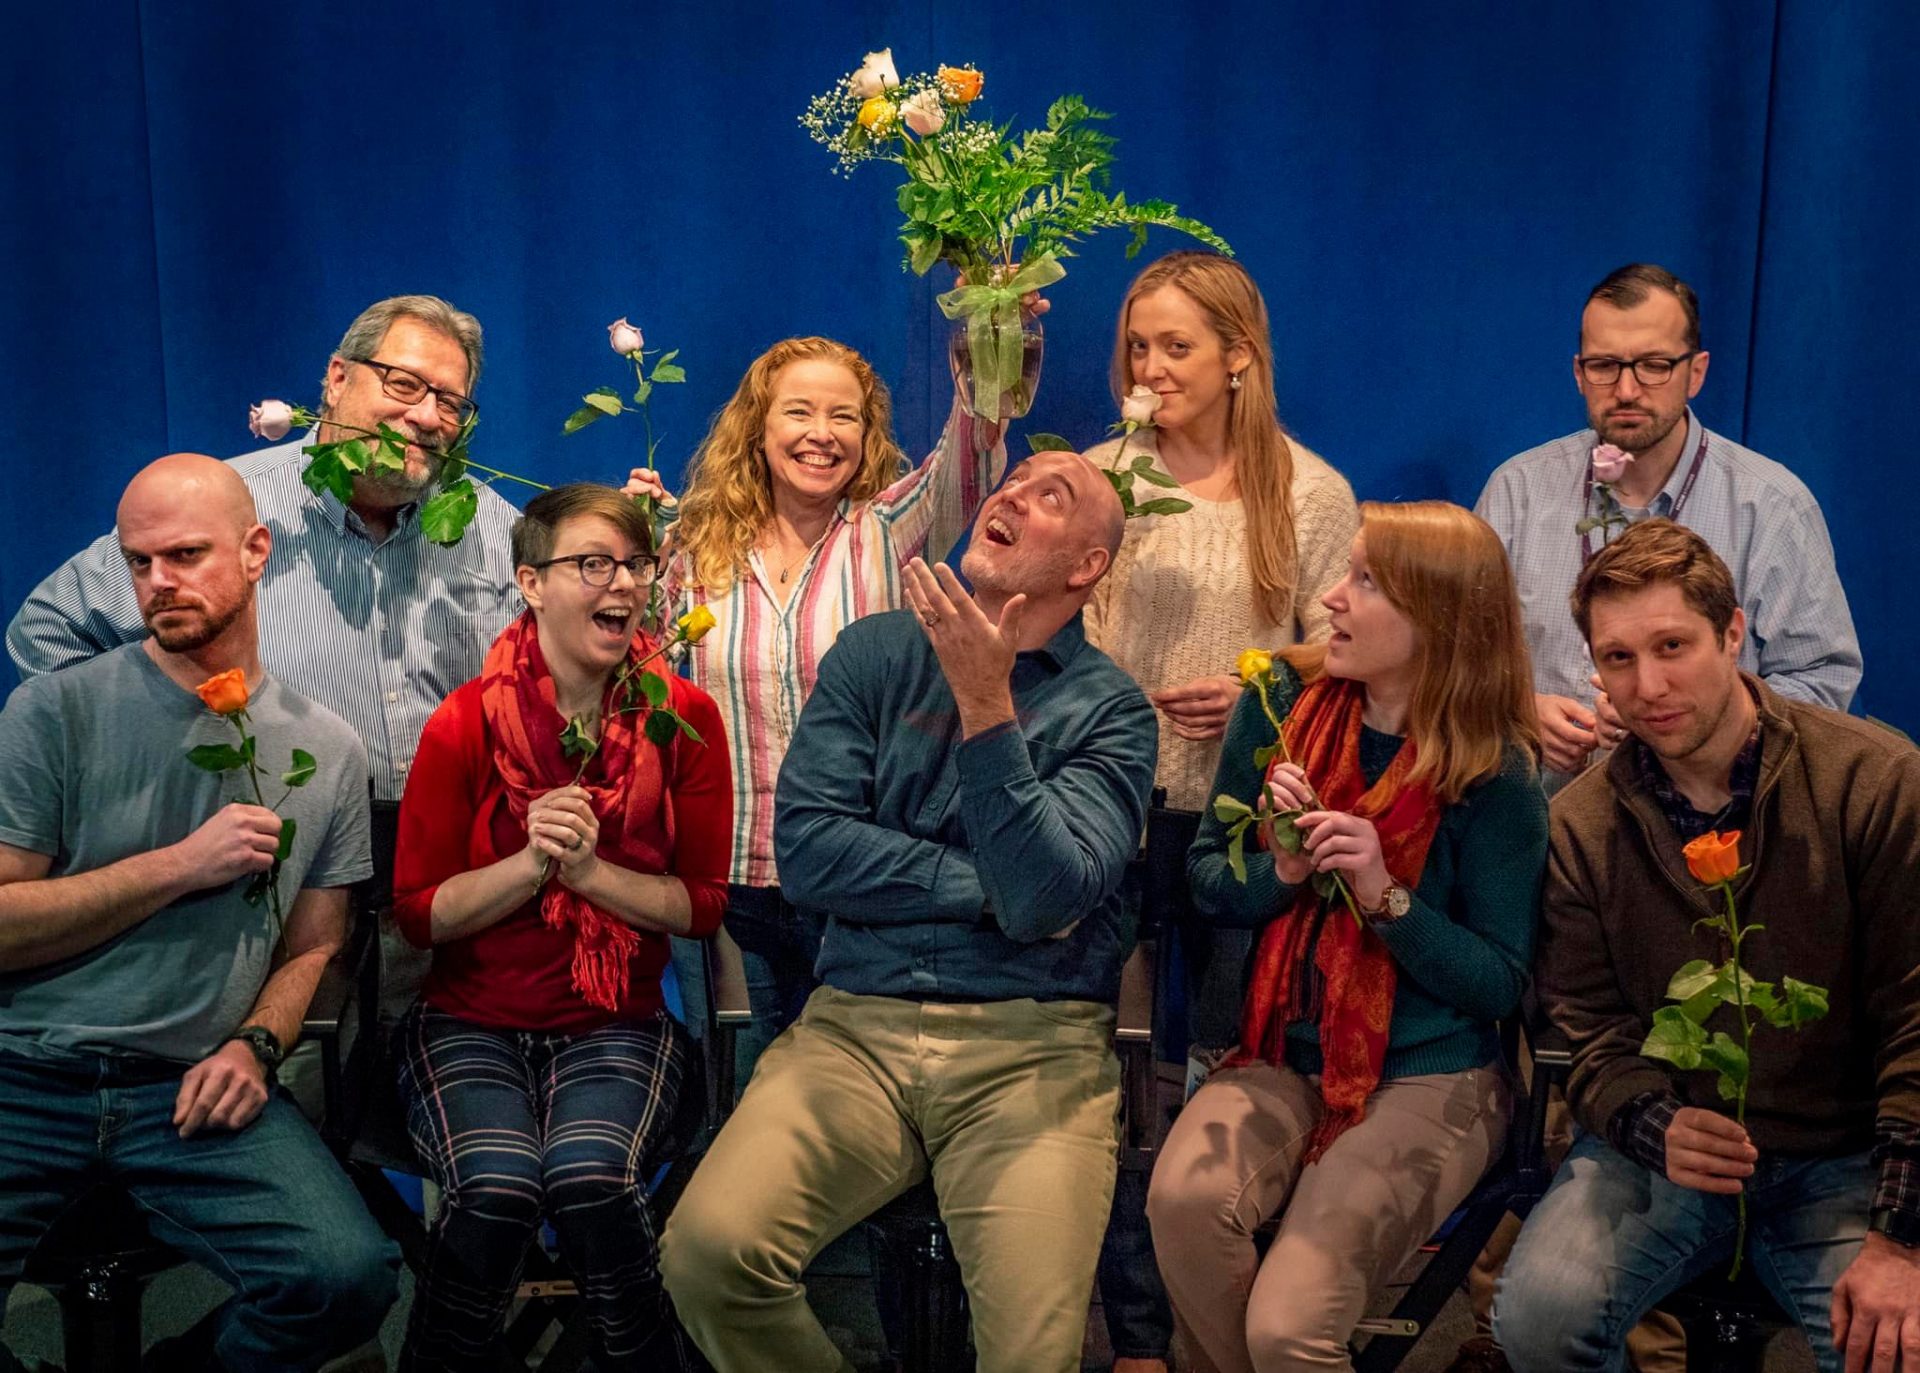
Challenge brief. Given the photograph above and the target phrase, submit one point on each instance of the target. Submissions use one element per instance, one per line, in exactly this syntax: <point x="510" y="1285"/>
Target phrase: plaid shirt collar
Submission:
<point x="1687" y="822"/>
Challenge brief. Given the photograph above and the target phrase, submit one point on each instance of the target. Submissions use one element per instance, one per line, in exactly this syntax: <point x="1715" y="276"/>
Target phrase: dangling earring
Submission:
<point x="1233" y="382"/>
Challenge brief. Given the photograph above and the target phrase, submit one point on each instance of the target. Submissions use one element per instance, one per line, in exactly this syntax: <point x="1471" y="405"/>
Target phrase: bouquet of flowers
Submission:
<point x="1001" y="209"/>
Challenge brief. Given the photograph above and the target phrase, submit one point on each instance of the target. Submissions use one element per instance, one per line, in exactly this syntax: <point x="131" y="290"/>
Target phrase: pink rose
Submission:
<point x="625" y="338"/>
<point x="270" y="419"/>
<point x="923" y="113"/>
<point x="1610" y="463"/>
<point x="1139" y="406"/>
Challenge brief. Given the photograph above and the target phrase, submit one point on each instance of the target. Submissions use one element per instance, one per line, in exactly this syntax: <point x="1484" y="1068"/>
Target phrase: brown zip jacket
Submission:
<point x="1833" y="849"/>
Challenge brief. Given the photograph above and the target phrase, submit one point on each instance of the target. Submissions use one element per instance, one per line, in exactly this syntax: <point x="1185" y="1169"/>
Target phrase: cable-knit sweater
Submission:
<point x="1178" y="602"/>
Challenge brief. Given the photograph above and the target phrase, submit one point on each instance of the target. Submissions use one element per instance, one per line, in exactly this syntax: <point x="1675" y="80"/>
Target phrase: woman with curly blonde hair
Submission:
<point x="799" y="513"/>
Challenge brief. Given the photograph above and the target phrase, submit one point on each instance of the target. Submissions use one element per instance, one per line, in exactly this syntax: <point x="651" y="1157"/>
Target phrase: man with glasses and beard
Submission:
<point x="145" y="1000"/>
<point x="358" y="610"/>
<point x="1640" y="363"/>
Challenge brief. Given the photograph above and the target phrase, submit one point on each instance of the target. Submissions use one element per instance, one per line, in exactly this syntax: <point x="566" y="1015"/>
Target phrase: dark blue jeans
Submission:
<point x="265" y="1208"/>
<point x="1611" y="1238"/>
<point x="779" y="945"/>
<point x="517" y="1125"/>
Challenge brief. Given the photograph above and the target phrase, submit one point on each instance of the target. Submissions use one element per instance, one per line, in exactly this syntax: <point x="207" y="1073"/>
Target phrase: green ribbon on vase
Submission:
<point x="995" y="341"/>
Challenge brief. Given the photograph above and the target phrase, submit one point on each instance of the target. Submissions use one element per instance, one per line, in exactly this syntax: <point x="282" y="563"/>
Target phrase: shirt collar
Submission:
<point x="1742" y="781"/>
<point x="1064" y="646"/>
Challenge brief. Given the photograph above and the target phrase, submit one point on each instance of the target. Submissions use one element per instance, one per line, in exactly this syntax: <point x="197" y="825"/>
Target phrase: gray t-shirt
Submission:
<point x="93" y="769"/>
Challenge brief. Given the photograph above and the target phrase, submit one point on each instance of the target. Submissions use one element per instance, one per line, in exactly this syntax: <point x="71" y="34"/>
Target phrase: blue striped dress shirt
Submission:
<point x="377" y="633"/>
<point x="1759" y="517"/>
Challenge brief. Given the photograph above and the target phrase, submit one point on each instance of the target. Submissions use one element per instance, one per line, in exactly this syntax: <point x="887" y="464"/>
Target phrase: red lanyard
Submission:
<point x="1679" y="501"/>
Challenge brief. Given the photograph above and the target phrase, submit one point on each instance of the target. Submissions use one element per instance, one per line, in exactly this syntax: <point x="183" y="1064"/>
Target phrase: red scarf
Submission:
<point x="1351" y="998"/>
<point x="624" y="785"/>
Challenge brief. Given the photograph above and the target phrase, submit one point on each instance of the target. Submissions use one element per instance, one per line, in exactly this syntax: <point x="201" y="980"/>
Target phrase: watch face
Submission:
<point x="1399" y="901"/>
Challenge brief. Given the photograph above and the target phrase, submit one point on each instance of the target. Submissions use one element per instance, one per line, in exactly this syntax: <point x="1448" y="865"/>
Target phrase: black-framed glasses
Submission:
<point x="596" y="569"/>
<point x="408" y="388"/>
<point x="1648" y="371"/>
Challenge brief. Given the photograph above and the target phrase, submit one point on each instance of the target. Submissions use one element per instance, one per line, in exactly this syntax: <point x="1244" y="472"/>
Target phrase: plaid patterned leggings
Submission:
<point x="515" y="1125"/>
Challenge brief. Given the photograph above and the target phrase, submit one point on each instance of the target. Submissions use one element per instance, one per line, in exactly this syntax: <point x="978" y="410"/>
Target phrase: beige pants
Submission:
<point x="1347" y="1222"/>
<point x="1010" y="1105"/>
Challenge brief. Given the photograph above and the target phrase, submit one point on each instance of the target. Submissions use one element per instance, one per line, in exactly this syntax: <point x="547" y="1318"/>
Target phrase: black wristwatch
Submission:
<point x="1902" y="1227"/>
<point x="265" y="1048"/>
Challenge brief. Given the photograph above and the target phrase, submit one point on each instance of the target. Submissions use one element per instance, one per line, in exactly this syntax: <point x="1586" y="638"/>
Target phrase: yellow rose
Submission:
<point x="695" y="624"/>
<point x="961" y="84"/>
<point x="877" y="114"/>
<point x="1254" y="664"/>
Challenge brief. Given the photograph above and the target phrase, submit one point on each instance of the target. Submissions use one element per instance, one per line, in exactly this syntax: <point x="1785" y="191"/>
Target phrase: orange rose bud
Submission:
<point x="961" y="85"/>
<point x="1714" y="857"/>
<point x="226" y="693"/>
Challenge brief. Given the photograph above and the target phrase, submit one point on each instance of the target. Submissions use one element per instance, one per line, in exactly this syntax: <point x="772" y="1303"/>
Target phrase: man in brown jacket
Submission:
<point x="1828" y="813"/>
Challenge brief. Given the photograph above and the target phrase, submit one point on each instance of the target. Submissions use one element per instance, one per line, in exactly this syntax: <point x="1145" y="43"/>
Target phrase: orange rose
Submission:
<point x="961" y="84"/>
<point x="1714" y="857"/>
<point x="225" y="694"/>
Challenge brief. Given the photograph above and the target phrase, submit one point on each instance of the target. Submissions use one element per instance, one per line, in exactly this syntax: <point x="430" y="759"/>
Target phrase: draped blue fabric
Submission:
<point x="195" y="198"/>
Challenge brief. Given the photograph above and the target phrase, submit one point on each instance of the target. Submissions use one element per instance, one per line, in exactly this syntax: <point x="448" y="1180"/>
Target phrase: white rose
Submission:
<point x="1610" y="463"/>
<point x="624" y="338"/>
<point x="270" y="419"/>
<point x="1139" y="406"/>
<point x="876" y="74"/>
<point x="924" y="114"/>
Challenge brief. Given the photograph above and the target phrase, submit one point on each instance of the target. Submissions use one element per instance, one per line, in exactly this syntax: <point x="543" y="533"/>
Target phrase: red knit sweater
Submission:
<point x="517" y="974"/>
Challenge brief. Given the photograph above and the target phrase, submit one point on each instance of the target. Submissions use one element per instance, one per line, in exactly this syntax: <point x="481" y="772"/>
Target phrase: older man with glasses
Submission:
<point x="1640" y="363"/>
<point x="358" y="609"/>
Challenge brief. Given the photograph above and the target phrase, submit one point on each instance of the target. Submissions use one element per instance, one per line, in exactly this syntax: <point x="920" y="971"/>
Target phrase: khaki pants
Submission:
<point x="1010" y="1106"/>
<point x="1347" y="1222"/>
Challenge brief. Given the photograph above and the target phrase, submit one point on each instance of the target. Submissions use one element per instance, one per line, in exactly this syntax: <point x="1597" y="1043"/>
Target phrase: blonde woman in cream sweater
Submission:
<point x="1269" y="532"/>
<point x="1271" y="521"/>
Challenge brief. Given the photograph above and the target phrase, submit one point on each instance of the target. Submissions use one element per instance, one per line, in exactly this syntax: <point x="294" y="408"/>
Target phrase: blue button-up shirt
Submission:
<point x="377" y="633"/>
<point x="1758" y="516"/>
<point x="978" y="869"/>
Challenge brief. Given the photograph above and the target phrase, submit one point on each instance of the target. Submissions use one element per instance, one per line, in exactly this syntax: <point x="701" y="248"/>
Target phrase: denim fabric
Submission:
<point x="265" y="1208"/>
<point x="515" y="1125"/>
<point x="1611" y="1238"/>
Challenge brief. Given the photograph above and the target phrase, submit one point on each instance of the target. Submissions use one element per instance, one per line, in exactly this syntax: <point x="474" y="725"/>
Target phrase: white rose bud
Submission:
<point x="876" y="74"/>
<point x="1139" y="406"/>
<point x="270" y="419"/>
<point x="924" y="114"/>
<point x="1610" y="463"/>
<point x="625" y="339"/>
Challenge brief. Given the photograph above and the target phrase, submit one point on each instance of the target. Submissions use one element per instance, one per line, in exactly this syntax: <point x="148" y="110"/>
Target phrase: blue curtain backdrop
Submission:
<point x="199" y="196"/>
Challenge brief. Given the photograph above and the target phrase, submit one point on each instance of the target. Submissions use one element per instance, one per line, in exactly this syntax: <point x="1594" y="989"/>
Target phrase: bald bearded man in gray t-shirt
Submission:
<point x="144" y="998"/>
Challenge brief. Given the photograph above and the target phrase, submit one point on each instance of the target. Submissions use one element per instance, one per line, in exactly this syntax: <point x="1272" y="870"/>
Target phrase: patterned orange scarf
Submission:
<point x="624" y="785"/>
<point x="1348" y="987"/>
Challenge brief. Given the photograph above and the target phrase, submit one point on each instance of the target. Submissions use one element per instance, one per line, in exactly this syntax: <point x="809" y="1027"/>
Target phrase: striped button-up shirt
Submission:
<point x="377" y="633"/>
<point x="1758" y="516"/>
<point x="761" y="657"/>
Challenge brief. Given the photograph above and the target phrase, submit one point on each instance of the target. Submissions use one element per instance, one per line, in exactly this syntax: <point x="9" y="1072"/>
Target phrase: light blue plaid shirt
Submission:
<point x="1758" y="516"/>
<point x="377" y="633"/>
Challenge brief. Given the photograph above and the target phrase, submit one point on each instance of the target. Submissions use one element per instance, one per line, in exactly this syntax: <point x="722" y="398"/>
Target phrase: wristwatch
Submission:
<point x="1902" y="1227"/>
<point x="1395" y="902"/>
<point x="265" y="1048"/>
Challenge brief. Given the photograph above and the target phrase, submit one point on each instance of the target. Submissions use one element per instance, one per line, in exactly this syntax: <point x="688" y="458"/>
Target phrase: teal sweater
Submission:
<point x="1464" y="948"/>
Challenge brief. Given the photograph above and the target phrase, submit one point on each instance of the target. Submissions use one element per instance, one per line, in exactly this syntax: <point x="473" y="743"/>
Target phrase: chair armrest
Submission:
<point x="1552" y="1057"/>
<point x="1133" y="1041"/>
<point x="728" y="1008"/>
<point x="340" y="1008"/>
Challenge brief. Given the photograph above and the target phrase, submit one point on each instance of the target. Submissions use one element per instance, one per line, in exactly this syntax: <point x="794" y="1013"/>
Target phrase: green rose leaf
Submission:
<point x="301" y="772"/>
<point x="654" y="688"/>
<point x="256" y="891"/>
<point x="576" y="741"/>
<point x="247" y="747"/>
<point x="287" y="828"/>
<point x="660" y="728"/>
<point x="581" y="418"/>
<point x="1153" y="476"/>
<point x="923" y="250"/>
<point x="1048" y="443"/>
<point x="217" y="757"/>
<point x="1286" y="833"/>
<point x="328" y="472"/>
<point x="688" y="730"/>
<point x="666" y="371"/>
<point x="1799" y="1002"/>
<point x="1727" y="1058"/>
<point x="445" y="517"/>
<point x="1691" y="978"/>
<point x="1227" y="809"/>
<point x="1163" y="505"/>
<point x="606" y="400"/>
<point x="1674" y="1039"/>
<point x="1265" y="753"/>
<point x="1327" y="885"/>
<point x="390" y="453"/>
<point x="1237" y="854"/>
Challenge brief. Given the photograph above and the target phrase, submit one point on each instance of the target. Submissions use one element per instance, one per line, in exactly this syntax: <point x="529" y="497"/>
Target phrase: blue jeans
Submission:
<point x="779" y="945"/>
<point x="1611" y="1238"/>
<point x="265" y="1208"/>
<point x="515" y="1125"/>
